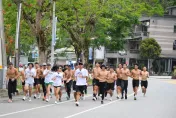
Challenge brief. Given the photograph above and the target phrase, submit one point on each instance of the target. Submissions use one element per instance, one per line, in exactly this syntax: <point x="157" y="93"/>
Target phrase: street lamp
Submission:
<point x="53" y="33"/>
<point x="3" y="62"/>
<point x="17" y="34"/>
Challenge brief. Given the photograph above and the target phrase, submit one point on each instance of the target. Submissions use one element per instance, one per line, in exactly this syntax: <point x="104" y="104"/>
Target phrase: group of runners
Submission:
<point x="59" y="77"/>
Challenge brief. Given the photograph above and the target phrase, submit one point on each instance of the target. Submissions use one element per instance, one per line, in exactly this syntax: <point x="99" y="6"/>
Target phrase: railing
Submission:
<point x="111" y="51"/>
<point x="145" y="33"/>
<point x="134" y="50"/>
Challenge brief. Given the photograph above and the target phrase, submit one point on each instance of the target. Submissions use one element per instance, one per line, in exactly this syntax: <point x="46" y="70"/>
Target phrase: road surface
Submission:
<point x="160" y="102"/>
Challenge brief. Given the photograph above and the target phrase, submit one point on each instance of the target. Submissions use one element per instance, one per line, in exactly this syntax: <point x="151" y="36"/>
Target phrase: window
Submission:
<point x="174" y="45"/>
<point x="174" y="28"/>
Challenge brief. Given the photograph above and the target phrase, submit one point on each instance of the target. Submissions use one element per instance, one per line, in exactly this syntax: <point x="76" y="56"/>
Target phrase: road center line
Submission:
<point x="98" y="106"/>
<point x="7" y="114"/>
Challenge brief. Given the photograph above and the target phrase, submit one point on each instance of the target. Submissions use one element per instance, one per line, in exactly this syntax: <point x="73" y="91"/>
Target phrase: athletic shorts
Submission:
<point x="29" y="84"/>
<point x="74" y="86"/>
<point x="50" y="83"/>
<point x="23" y="83"/>
<point x="110" y="86"/>
<point x="119" y="82"/>
<point x="57" y="86"/>
<point x="135" y="83"/>
<point x="144" y="83"/>
<point x="36" y="81"/>
<point x="42" y="81"/>
<point x="95" y="82"/>
<point x="80" y="88"/>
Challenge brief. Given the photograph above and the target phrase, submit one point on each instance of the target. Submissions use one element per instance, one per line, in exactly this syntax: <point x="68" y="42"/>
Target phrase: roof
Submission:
<point x="168" y="56"/>
<point x="71" y="49"/>
<point x="171" y="7"/>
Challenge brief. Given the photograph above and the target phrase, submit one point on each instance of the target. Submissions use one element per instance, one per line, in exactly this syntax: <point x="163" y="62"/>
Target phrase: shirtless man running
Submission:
<point x="119" y="80"/>
<point x="144" y="82"/>
<point x="125" y="74"/>
<point x="12" y="75"/>
<point x="135" y="74"/>
<point x="102" y="77"/>
<point x="37" y="81"/>
<point x="68" y="84"/>
<point x="95" y="81"/>
<point x="74" y="80"/>
<point x="110" y="82"/>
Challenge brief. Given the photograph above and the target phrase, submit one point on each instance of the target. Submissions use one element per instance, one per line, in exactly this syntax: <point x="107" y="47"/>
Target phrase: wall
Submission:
<point x="162" y="29"/>
<point x="99" y="53"/>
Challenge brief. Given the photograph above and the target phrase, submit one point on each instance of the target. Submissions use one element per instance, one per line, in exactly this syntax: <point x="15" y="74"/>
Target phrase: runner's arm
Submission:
<point x="16" y="74"/>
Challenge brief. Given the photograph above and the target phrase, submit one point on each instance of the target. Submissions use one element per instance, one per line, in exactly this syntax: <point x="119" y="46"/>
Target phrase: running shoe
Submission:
<point x="30" y="100"/>
<point x="77" y="104"/>
<point x="135" y="98"/>
<point x="39" y="96"/>
<point x="126" y="97"/>
<point x="35" y="96"/>
<point x="24" y="98"/>
<point x="9" y="101"/>
<point x="102" y="102"/>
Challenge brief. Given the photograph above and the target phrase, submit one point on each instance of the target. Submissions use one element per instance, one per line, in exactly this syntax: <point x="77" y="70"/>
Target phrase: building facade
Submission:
<point x="163" y="29"/>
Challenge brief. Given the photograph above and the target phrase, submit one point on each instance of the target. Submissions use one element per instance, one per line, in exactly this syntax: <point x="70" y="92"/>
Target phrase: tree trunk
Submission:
<point x="85" y="57"/>
<point x="42" y="48"/>
<point x="42" y="56"/>
<point x="78" y="54"/>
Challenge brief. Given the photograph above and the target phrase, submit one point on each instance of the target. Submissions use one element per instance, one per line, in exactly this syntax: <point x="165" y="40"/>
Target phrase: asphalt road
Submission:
<point x="158" y="103"/>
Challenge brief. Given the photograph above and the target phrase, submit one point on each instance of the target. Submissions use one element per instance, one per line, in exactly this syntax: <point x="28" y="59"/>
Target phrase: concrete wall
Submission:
<point x="162" y="29"/>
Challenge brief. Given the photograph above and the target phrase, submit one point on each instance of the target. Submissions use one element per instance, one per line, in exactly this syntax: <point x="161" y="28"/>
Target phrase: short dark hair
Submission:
<point x="80" y="63"/>
<point x="125" y="64"/>
<point x="136" y="64"/>
<point x="36" y="63"/>
<point x="103" y="66"/>
<point x="55" y="68"/>
<point x="10" y="63"/>
<point x="69" y="66"/>
<point x="97" y="62"/>
<point x="48" y="64"/>
<point x="31" y="64"/>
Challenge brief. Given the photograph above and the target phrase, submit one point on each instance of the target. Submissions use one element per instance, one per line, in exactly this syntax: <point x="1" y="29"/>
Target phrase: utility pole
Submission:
<point x="17" y="35"/>
<point x="3" y="59"/>
<point x="53" y="33"/>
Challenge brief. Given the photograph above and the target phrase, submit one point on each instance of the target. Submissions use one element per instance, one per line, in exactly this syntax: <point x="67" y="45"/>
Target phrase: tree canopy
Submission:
<point x="108" y="22"/>
<point x="150" y="49"/>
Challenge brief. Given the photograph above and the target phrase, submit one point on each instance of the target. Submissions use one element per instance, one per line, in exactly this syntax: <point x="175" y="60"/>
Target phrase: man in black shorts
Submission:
<point x="110" y="82"/>
<point x="37" y="81"/>
<point x="95" y="81"/>
<point x="119" y="80"/>
<point x="135" y="74"/>
<point x="81" y="74"/>
<point x="74" y="81"/>
<point x="144" y="82"/>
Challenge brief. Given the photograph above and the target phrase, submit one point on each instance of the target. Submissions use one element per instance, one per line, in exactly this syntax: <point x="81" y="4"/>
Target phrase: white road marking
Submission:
<point x="7" y="114"/>
<point x="98" y="106"/>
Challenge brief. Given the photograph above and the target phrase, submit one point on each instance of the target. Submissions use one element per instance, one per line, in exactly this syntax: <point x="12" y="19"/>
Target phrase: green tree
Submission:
<point x="167" y="3"/>
<point x="150" y="49"/>
<point x="26" y="39"/>
<point x="82" y="20"/>
<point x="107" y="21"/>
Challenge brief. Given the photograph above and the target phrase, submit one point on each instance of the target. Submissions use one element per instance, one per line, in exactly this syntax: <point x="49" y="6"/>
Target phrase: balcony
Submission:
<point x="134" y="51"/>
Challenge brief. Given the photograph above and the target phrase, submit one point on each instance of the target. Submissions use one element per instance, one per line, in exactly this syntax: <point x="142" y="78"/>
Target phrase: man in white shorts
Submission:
<point x="30" y="73"/>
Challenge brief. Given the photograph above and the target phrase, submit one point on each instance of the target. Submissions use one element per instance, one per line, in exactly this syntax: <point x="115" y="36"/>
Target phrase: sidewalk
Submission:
<point x="160" y="77"/>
